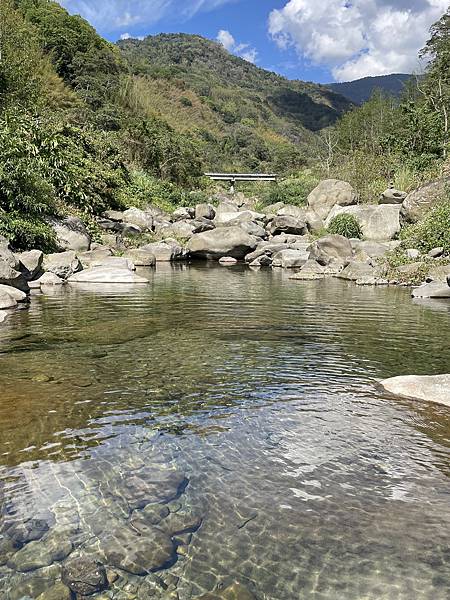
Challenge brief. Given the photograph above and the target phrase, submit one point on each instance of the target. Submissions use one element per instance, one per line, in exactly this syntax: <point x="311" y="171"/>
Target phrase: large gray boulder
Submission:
<point x="178" y="229"/>
<point x="237" y="217"/>
<point x="290" y="210"/>
<point x="356" y="270"/>
<point x="30" y="263"/>
<point x="184" y="212"/>
<point x="287" y="224"/>
<point x="290" y="259"/>
<point x="205" y="211"/>
<point x="432" y="388"/>
<point x="377" y="221"/>
<point x="434" y="289"/>
<point x="138" y="218"/>
<point x="141" y="257"/>
<point x="329" y="193"/>
<point x="107" y="275"/>
<point x="71" y="234"/>
<point x="421" y="200"/>
<point x="7" y="300"/>
<point x="167" y="250"/>
<point x="17" y="294"/>
<point x="220" y="242"/>
<point x="63" y="264"/>
<point x="331" y="248"/>
<point x="10" y="268"/>
<point x="91" y="257"/>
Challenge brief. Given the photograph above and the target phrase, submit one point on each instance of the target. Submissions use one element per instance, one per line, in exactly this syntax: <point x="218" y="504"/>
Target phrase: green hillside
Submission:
<point x="242" y="116"/>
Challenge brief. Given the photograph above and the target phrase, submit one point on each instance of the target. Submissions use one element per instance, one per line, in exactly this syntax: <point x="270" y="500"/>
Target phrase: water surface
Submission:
<point x="243" y="405"/>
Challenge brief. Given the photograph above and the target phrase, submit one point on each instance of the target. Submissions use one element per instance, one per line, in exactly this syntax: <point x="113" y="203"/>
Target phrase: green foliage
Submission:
<point x="144" y="190"/>
<point x="432" y="232"/>
<point x="346" y="225"/>
<point x="293" y="190"/>
<point x="26" y="232"/>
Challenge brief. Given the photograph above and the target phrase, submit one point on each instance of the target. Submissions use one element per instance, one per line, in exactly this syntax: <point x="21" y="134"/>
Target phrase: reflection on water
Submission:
<point x="221" y="425"/>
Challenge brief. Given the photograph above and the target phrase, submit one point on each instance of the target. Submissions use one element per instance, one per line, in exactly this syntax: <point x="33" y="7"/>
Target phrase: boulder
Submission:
<point x="290" y="259"/>
<point x="290" y="210"/>
<point x="392" y="196"/>
<point x="63" y="264"/>
<point x="200" y="225"/>
<point x="71" y="234"/>
<point x="434" y="289"/>
<point x="226" y="207"/>
<point x="421" y="200"/>
<point x="106" y="275"/>
<point x="11" y="277"/>
<point x="432" y="388"/>
<point x="17" y="294"/>
<point x="436" y="252"/>
<point x="237" y="217"/>
<point x="47" y="279"/>
<point x="314" y="222"/>
<point x="91" y="257"/>
<point x="38" y="554"/>
<point x="331" y="248"/>
<point x="116" y="262"/>
<point x="113" y="215"/>
<point x="184" y="212"/>
<point x="227" y="260"/>
<point x="205" y="211"/>
<point x="138" y="218"/>
<point x="141" y="257"/>
<point x="166" y="250"/>
<point x="10" y="268"/>
<point x="377" y="221"/>
<point x="413" y="253"/>
<point x="356" y="270"/>
<point x="84" y="576"/>
<point x="262" y="261"/>
<point x="272" y="209"/>
<point x="329" y="193"/>
<point x="179" y="229"/>
<point x="287" y="224"/>
<point x="223" y="241"/>
<point x="125" y="549"/>
<point x="8" y="301"/>
<point x="30" y="263"/>
<point x="439" y="273"/>
<point x="255" y="229"/>
<point x="268" y="248"/>
<point x="369" y="249"/>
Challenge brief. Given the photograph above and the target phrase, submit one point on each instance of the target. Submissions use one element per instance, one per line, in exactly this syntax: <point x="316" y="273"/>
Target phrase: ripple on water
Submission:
<point x="221" y="426"/>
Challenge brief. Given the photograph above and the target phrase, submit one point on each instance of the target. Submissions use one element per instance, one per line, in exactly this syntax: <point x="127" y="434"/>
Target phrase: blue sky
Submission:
<point x="313" y="40"/>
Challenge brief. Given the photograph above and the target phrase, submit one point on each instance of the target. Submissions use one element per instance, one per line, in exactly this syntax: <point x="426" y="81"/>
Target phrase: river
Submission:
<point x="242" y="405"/>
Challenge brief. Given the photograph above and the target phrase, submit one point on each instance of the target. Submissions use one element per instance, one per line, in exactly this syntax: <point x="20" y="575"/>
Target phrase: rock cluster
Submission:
<point x="278" y="236"/>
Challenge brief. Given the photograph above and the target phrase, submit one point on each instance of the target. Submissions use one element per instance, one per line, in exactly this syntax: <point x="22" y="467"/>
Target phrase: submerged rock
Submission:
<point x="432" y="388"/>
<point x="84" y="576"/>
<point x="41" y="553"/>
<point x="107" y="275"/>
<point x="126" y="549"/>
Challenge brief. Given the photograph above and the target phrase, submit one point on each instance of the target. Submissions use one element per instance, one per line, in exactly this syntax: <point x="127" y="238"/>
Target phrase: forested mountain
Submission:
<point x="361" y="90"/>
<point x="242" y="116"/>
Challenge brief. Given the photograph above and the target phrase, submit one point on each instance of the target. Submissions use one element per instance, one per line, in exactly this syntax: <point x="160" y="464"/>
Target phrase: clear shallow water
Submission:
<point x="244" y="405"/>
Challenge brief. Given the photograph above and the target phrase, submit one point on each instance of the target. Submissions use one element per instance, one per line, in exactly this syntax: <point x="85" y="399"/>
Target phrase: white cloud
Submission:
<point x="356" y="38"/>
<point x="245" y="51"/>
<point x="112" y="16"/>
<point x="128" y="36"/>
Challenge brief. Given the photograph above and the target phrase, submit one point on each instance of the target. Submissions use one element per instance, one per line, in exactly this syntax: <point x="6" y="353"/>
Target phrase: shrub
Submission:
<point x="346" y="225"/>
<point x="144" y="189"/>
<point x="432" y="232"/>
<point x="25" y="232"/>
<point x="293" y="190"/>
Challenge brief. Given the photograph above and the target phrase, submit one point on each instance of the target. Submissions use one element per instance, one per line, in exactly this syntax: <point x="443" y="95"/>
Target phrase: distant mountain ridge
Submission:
<point x="360" y="90"/>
